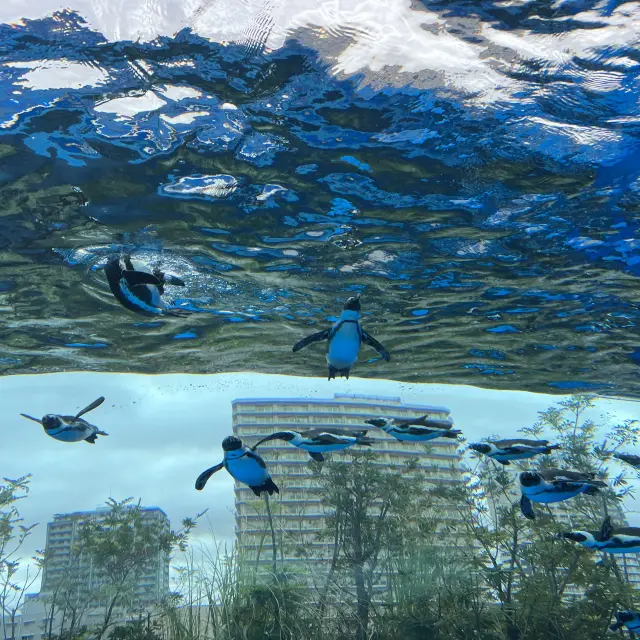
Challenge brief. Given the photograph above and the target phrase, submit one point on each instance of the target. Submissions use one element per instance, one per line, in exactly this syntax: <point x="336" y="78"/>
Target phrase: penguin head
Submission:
<point x="577" y="536"/>
<point x="352" y="304"/>
<point x="231" y="443"/>
<point x="480" y="447"/>
<point x="530" y="478"/>
<point x="51" y="421"/>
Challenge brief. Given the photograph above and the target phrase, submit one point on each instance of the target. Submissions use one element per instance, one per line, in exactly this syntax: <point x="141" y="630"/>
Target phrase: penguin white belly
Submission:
<point x="323" y="448"/>
<point x="408" y="437"/>
<point x="553" y="496"/>
<point x="70" y="435"/>
<point x="155" y="295"/>
<point x="344" y="346"/>
<point x="247" y="470"/>
<point x="515" y="456"/>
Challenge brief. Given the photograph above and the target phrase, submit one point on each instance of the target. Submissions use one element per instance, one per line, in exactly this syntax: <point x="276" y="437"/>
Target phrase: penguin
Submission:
<point x="554" y="485"/>
<point x="70" y="428"/>
<point x="419" y="430"/>
<point x="318" y="441"/>
<point x="344" y="340"/>
<point x="243" y="465"/>
<point x="629" y="458"/>
<point x="629" y="619"/>
<point x="503" y="451"/>
<point x="139" y="289"/>
<point x="609" y="539"/>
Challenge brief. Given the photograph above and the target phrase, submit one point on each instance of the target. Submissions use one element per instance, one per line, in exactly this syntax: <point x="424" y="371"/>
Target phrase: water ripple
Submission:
<point x="470" y="168"/>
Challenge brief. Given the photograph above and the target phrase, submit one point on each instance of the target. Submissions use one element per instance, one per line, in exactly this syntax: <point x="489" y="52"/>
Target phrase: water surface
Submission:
<point x="471" y="168"/>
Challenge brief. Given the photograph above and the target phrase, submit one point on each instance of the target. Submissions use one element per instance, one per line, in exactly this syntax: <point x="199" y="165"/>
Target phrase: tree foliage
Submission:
<point x="14" y="583"/>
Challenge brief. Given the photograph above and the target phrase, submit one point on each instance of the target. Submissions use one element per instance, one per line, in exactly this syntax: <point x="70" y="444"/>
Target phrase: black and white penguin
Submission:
<point x="318" y="441"/>
<point x="609" y="539"/>
<point x="139" y="288"/>
<point x="629" y="619"/>
<point x="554" y="485"/>
<point x="244" y="465"/>
<point x="419" y="430"/>
<point x="503" y="451"/>
<point x="344" y="340"/>
<point x="629" y="458"/>
<point x="70" y="428"/>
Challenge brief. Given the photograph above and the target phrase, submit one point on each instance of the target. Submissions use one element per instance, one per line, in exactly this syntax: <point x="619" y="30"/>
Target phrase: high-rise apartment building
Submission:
<point x="298" y="509"/>
<point x="61" y="554"/>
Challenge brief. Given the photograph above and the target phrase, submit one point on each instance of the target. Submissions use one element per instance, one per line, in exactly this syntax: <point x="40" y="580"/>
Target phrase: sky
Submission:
<point x="164" y="430"/>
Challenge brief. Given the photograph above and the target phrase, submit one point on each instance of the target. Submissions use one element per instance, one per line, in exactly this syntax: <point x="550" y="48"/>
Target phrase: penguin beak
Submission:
<point x="376" y="422"/>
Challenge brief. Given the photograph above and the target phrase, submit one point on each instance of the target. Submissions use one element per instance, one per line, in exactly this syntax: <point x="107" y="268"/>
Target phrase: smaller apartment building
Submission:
<point x="65" y="564"/>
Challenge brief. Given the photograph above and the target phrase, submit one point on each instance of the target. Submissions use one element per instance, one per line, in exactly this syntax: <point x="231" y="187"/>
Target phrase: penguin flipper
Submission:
<point x="205" y="475"/>
<point x="94" y="405"/>
<point x="502" y="462"/>
<point x="135" y="278"/>
<point x="372" y="342"/>
<point x="314" y="337"/>
<point x="318" y="457"/>
<point x="606" y="530"/>
<point x="91" y="439"/>
<point x="24" y="415"/>
<point x="526" y="507"/>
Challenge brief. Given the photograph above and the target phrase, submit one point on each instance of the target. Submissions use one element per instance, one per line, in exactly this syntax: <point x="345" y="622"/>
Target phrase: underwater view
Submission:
<point x="319" y="320"/>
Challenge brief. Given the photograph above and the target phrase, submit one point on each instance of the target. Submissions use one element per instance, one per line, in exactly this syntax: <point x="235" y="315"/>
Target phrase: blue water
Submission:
<point x="471" y="168"/>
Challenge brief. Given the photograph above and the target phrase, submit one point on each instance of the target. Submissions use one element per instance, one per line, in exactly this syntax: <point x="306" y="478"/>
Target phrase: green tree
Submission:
<point x="529" y="572"/>
<point x="13" y="533"/>
<point x="368" y="508"/>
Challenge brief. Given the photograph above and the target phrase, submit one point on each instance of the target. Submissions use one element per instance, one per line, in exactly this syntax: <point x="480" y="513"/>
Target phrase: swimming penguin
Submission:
<point x="629" y="458"/>
<point x="243" y="465"/>
<point x="419" y="430"/>
<point x="503" y="451"/>
<point x="71" y="428"/>
<point x="609" y="539"/>
<point x="139" y="289"/>
<point x="344" y="340"/>
<point x="554" y="485"/>
<point x="629" y="619"/>
<point x="318" y="441"/>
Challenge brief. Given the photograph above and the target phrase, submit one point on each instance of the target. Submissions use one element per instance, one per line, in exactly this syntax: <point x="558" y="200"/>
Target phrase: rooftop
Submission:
<point x="341" y="397"/>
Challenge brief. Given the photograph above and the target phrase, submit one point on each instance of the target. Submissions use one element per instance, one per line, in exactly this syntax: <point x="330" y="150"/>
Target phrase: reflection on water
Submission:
<point x="470" y="169"/>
